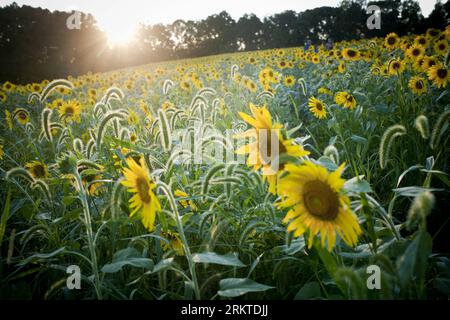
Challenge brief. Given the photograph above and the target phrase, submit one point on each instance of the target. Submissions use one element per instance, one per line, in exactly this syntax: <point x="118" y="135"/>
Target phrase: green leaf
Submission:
<point x="5" y="216"/>
<point x="235" y="287"/>
<point x="41" y="256"/>
<point x="357" y="185"/>
<point x="413" y="263"/>
<point x="128" y="256"/>
<point x="327" y="163"/>
<point x="229" y="259"/>
<point x="162" y="265"/>
<point x="309" y="291"/>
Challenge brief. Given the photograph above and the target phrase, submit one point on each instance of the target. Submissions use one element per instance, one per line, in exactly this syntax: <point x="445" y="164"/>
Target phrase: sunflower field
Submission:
<point x="157" y="182"/>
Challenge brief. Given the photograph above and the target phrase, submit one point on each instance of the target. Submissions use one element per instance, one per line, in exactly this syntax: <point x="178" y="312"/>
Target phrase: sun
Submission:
<point x="118" y="34"/>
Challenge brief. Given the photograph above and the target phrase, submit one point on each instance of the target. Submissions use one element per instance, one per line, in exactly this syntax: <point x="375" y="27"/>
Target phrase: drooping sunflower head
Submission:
<point x="37" y="169"/>
<point x="317" y="204"/>
<point x="144" y="200"/>
<point x="22" y="116"/>
<point x="317" y="108"/>
<point x="345" y="100"/>
<point x="268" y="144"/>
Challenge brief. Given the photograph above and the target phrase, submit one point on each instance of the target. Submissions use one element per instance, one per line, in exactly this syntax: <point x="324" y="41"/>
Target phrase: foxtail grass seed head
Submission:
<point x="421" y="124"/>
<point x="387" y="141"/>
<point x="420" y="208"/>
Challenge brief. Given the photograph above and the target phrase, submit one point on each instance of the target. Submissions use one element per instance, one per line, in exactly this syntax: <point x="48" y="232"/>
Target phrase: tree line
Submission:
<point x="35" y="44"/>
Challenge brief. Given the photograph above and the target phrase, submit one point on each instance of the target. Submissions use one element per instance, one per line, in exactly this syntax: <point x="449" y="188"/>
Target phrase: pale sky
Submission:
<point x="119" y="18"/>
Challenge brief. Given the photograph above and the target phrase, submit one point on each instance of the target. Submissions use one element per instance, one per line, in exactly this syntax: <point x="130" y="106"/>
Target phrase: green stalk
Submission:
<point x="89" y="233"/>
<point x="186" y="248"/>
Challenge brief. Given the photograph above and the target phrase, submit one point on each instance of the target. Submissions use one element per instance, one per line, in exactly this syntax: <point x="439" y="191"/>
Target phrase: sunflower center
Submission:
<point x="39" y="171"/>
<point x="320" y="200"/>
<point x="416" y="52"/>
<point x="319" y="106"/>
<point x="22" y="115"/>
<point x="143" y="189"/>
<point x="69" y="111"/>
<point x="391" y="40"/>
<point x="351" y="53"/>
<point x="419" y="85"/>
<point x="442" y="73"/>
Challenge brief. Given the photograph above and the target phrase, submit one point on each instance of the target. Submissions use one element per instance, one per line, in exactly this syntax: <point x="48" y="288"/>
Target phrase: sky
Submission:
<point x="119" y="18"/>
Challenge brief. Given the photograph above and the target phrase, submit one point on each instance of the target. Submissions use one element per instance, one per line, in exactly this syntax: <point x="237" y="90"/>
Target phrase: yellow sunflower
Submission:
<point x="174" y="242"/>
<point x="8" y="86"/>
<point x="345" y="100"/>
<point x="441" y="47"/>
<point x="391" y="41"/>
<point x="414" y="52"/>
<point x="185" y="203"/>
<point x="260" y="150"/>
<point x="317" y="204"/>
<point x="418" y="85"/>
<point x="37" y="169"/>
<point x="439" y="75"/>
<point x="341" y="67"/>
<point x="22" y="116"/>
<point x="396" y="66"/>
<point x="350" y="54"/>
<point x="70" y="111"/>
<point x="317" y="108"/>
<point x="144" y="200"/>
<point x="289" y="81"/>
<point x="3" y="96"/>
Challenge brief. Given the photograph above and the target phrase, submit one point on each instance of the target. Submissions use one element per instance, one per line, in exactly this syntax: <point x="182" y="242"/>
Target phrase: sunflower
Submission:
<point x="144" y="200"/>
<point x="428" y="62"/>
<point x="37" y="169"/>
<point x="8" y="86"/>
<point x="89" y="178"/>
<point x="174" y="242"/>
<point x="3" y="96"/>
<point x="439" y="75"/>
<point x="391" y="41"/>
<point x="56" y="104"/>
<point x="341" y="67"/>
<point x="317" y="107"/>
<point x="418" y="85"/>
<point x="317" y="204"/>
<point x="396" y="66"/>
<point x="22" y="116"/>
<point x="350" y="54"/>
<point x="70" y="111"/>
<point x="441" y="47"/>
<point x="345" y="100"/>
<point x="289" y="81"/>
<point x="324" y="90"/>
<point x="185" y="203"/>
<point x="421" y="41"/>
<point x="260" y="151"/>
<point x="414" y="52"/>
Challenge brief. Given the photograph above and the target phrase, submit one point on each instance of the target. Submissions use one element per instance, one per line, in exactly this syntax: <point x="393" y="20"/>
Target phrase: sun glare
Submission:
<point x="118" y="33"/>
